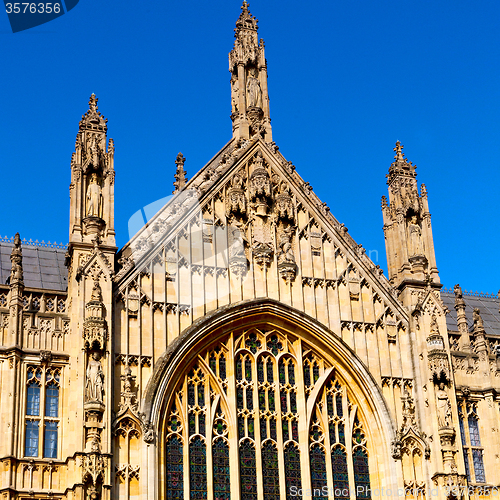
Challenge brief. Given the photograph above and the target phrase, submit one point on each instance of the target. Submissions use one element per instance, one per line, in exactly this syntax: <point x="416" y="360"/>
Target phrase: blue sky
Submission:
<point x="346" y="80"/>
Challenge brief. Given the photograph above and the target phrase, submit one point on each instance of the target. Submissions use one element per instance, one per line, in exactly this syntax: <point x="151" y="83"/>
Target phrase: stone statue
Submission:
<point x="415" y="237"/>
<point x="458" y="291"/>
<point x="94" y="385"/>
<point x="476" y="317"/>
<point x="286" y="250"/>
<point x="234" y="93"/>
<point x="236" y="247"/>
<point x="94" y="198"/>
<point x="443" y="407"/>
<point x="254" y="92"/>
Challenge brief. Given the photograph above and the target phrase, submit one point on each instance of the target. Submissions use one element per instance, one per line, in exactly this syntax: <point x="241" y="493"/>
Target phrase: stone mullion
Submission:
<point x="303" y="443"/>
<point x="328" y="445"/>
<point x="203" y="284"/>
<point x="208" y="438"/>
<point x="139" y="330"/>
<point x="348" y="426"/>
<point x="41" y="436"/>
<point x="185" y="459"/>
<point x="256" y="427"/>
<point x="178" y="283"/>
<point x="233" y="425"/>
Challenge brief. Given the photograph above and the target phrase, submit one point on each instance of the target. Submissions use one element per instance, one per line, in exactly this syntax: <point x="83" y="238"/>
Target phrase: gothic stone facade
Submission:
<point x="242" y="345"/>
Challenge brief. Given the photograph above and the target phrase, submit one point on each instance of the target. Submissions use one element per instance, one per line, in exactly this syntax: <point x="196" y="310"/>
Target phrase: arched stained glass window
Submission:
<point x="248" y="471"/>
<point x="262" y="388"/>
<point x="197" y="468"/>
<point x="292" y="470"/>
<point x="175" y="484"/>
<point x="222" y="477"/>
<point x="270" y="471"/>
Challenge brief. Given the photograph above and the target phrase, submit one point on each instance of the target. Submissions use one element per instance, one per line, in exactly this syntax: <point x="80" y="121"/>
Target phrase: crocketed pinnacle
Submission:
<point x="246" y="20"/>
<point x="400" y="165"/>
<point x="180" y="173"/>
<point x="16" y="257"/>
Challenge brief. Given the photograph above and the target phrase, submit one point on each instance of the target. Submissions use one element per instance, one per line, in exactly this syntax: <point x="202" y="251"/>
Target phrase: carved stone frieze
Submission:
<point x="439" y="366"/>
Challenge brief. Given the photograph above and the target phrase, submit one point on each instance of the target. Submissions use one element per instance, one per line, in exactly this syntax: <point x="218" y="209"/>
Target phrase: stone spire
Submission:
<point x="180" y="174"/>
<point x="248" y="68"/>
<point x="407" y="225"/>
<point x="92" y="180"/>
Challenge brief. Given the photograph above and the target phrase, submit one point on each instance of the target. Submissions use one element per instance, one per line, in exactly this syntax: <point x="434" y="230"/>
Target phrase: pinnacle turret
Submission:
<point x="180" y="173"/>
<point x="16" y="257"/>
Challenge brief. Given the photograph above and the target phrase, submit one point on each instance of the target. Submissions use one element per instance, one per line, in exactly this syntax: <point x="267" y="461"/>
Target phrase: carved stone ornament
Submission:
<point x="284" y="204"/>
<point x="235" y="197"/>
<point x="94" y="465"/>
<point x="396" y="449"/>
<point x="443" y="407"/>
<point x="263" y="254"/>
<point x="260" y="186"/>
<point x="95" y="331"/>
<point x="237" y="257"/>
<point x="148" y="433"/>
<point x="439" y="366"/>
<point x="45" y="357"/>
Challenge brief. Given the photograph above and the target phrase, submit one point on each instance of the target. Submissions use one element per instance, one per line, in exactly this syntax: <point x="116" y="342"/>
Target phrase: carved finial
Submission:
<point x="180" y="173"/>
<point x="399" y="151"/>
<point x="246" y="20"/>
<point x="93" y="103"/>
<point x="16" y="257"/>
<point x="478" y="320"/>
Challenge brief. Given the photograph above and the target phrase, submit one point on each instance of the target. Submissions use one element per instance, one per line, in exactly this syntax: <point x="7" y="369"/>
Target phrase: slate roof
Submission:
<point x="488" y="307"/>
<point x="43" y="264"/>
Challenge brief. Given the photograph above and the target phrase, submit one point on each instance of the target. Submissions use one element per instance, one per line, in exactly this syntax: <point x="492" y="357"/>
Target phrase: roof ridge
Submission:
<point x="36" y="243"/>
<point x="472" y="293"/>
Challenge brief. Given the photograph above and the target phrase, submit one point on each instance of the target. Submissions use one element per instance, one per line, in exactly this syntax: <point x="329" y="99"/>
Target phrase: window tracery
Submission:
<point x="245" y="398"/>
<point x="471" y="442"/>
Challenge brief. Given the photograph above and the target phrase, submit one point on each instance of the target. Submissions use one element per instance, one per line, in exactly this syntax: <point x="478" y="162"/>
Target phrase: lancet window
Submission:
<point x="237" y="424"/>
<point x="42" y="412"/>
<point x="471" y="442"/>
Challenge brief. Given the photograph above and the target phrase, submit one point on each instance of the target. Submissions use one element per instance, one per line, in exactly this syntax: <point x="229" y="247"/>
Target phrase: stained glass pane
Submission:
<point x="292" y="471"/>
<point x="248" y="369"/>
<point x="329" y="405"/>
<point x="270" y="374"/>
<point x="248" y="471"/>
<point x="270" y="473"/>
<point x="239" y="368"/>
<point x="52" y="400"/>
<point x="284" y="426"/>
<point x="197" y="469"/>
<point x="251" y="429"/>
<point x="307" y="374"/>
<point x="295" y="430"/>
<point x="274" y="345"/>
<point x="474" y="432"/>
<point x="477" y="459"/>
<point x="315" y="372"/>
<point x="340" y="411"/>
<point x="341" y="433"/>
<point x="340" y="474"/>
<point x="263" y="429"/>
<point x="241" y="427"/>
<point x="262" y="399"/>
<point x="201" y="395"/>
<point x="271" y="400"/>
<point x="291" y="373"/>
<point x="293" y="402"/>
<point x="462" y="429"/>
<point x="31" y="443"/>
<point x="50" y="440"/>
<point x="175" y="485"/>
<point x="284" y="405"/>
<point x="249" y="398"/>
<point x="201" y="423"/>
<point x="260" y="370"/>
<point x="331" y="432"/>
<point x="467" y="466"/>
<point x="239" y="398"/>
<point x="222" y="478"/>
<point x="361" y="473"/>
<point x="191" y="401"/>
<point x="192" y="423"/>
<point x="222" y="367"/>
<point x="318" y="467"/>
<point x="33" y="399"/>
<point x="213" y="363"/>
<point x="272" y="428"/>
<point x="282" y="373"/>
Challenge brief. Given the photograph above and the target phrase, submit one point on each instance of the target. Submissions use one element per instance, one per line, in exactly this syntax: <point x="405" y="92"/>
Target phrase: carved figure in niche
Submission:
<point x="285" y="244"/>
<point x="416" y="246"/>
<point x="236" y="246"/>
<point x="234" y="93"/>
<point x="94" y="385"/>
<point x="254" y="92"/>
<point x="443" y="407"/>
<point x="94" y="197"/>
<point x="434" y="325"/>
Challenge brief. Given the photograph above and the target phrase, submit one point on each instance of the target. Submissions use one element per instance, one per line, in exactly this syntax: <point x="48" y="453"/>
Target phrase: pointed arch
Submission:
<point x="231" y="325"/>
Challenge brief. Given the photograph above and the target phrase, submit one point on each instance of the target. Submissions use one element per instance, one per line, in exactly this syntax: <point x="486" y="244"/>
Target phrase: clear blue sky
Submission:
<point x="346" y="80"/>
